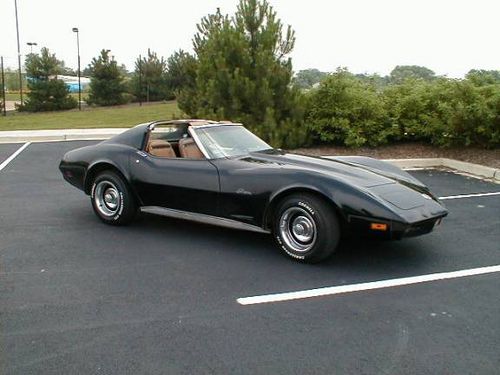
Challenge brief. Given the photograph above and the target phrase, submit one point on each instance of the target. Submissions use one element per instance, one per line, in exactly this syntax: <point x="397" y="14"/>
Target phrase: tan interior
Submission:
<point x="161" y="148"/>
<point x="189" y="149"/>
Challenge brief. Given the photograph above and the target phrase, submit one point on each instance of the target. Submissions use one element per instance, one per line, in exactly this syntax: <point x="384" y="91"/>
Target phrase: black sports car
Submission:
<point x="221" y="173"/>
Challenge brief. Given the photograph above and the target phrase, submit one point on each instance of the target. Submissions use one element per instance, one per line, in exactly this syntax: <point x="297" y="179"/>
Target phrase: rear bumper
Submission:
<point x="74" y="174"/>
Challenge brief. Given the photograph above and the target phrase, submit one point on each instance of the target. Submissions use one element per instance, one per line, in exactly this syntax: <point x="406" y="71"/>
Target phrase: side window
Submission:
<point x="164" y="140"/>
<point x="170" y="133"/>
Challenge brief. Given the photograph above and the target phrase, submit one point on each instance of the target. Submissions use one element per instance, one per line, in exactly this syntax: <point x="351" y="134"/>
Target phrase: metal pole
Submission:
<point x="147" y="79"/>
<point x="140" y="81"/>
<point x="3" y="90"/>
<point x="79" y="83"/>
<point x="19" y="56"/>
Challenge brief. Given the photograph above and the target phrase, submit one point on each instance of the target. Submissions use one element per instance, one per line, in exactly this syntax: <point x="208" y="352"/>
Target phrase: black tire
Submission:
<point x="112" y="200"/>
<point x="306" y="227"/>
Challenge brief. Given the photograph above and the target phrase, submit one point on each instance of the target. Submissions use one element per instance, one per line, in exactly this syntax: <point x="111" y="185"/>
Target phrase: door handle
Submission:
<point x="141" y="153"/>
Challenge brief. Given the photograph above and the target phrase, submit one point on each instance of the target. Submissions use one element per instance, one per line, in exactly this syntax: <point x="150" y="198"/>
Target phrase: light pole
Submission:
<point x="75" y="30"/>
<point x="31" y="44"/>
<point x="19" y="56"/>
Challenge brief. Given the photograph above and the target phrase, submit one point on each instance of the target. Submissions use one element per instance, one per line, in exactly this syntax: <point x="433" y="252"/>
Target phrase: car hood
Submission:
<point x="361" y="171"/>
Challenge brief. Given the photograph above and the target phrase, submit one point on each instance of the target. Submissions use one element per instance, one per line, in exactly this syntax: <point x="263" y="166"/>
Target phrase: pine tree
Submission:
<point x="46" y="92"/>
<point x="181" y="71"/>
<point x="149" y="78"/>
<point x="181" y="79"/>
<point x="106" y="81"/>
<point x="244" y="73"/>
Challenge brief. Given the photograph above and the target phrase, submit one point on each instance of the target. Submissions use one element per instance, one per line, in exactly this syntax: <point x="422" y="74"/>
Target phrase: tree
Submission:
<point x="149" y="79"/>
<point x="243" y="73"/>
<point x="181" y="72"/>
<point x="376" y="80"/>
<point x="306" y="79"/>
<point x="483" y="77"/>
<point x="47" y="93"/>
<point x="402" y="72"/>
<point x="64" y="70"/>
<point x="106" y="81"/>
<point x="86" y="72"/>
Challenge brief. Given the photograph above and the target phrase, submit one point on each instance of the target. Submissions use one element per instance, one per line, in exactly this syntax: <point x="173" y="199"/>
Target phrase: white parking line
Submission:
<point x="468" y="196"/>
<point x="13" y="156"/>
<point x="328" y="291"/>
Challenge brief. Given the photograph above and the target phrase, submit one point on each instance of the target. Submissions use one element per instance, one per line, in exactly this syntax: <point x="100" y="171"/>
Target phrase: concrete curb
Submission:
<point x="475" y="170"/>
<point x="57" y="135"/>
<point x="20" y="136"/>
<point x="460" y="166"/>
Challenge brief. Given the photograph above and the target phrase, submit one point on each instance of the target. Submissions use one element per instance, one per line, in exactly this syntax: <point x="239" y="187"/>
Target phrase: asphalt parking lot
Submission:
<point x="160" y="296"/>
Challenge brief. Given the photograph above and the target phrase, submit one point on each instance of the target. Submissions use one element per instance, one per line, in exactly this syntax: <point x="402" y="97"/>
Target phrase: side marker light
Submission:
<point x="378" y="226"/>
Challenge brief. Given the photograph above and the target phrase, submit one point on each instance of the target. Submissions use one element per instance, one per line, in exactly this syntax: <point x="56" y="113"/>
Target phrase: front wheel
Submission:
<point x="112" y="200"/>
<point x="306" y="228"/>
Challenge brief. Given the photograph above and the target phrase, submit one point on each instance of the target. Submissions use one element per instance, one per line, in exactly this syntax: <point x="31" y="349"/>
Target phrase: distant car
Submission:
<point x="221" y="173"/>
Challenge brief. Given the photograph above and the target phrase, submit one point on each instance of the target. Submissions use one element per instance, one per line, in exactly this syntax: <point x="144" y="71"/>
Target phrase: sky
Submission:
<point x="449" y="37"/>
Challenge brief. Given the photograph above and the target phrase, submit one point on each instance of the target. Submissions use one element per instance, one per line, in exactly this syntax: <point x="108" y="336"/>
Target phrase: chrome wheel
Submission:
<point x="297" y="229"/>
<point x="107" y="198"/>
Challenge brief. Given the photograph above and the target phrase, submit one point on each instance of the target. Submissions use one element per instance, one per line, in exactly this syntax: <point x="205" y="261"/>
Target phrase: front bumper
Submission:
<point x="393" y="229"/>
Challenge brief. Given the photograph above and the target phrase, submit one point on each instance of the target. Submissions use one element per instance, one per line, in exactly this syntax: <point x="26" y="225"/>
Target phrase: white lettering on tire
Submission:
<point x="278" y="239"/>
<point x="307" y="207"/>
<point x="117" y="216"/>
<point x="280" y="242"/>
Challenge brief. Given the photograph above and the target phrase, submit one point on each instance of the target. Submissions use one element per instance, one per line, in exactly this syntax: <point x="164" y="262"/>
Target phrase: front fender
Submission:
<point x="347" y="199"/>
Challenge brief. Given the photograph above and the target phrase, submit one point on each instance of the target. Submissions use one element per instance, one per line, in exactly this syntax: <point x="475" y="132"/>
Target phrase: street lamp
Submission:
<point x="19" y="56"/>
<point x="75" y="30"/>
<point x="31" y="44"/>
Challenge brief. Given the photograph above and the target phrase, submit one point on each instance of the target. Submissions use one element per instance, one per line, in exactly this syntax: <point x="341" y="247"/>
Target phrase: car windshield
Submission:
<point x="229" y="140"/>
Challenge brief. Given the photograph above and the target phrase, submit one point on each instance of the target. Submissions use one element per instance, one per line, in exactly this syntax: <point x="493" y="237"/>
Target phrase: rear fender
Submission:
<point x="106" y="164"/>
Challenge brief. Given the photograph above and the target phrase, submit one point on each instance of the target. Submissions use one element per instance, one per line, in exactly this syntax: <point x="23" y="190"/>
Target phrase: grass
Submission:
<point x="11" y="96"/>
<point x="15" y="96"/>
<point x="100" y="117"/>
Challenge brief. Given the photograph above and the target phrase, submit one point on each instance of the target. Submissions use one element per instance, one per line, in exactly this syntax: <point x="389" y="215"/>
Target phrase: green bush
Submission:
<point x="349" y="111"/>
<point x="407" y="106"/>
<point x="464" y="114"/>
<point x="445" y="112"/>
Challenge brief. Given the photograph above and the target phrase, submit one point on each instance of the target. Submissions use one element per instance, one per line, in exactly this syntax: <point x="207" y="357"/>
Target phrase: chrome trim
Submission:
<point x="298" y="229"/>
<point x="212" y="125"/>
<point x="189" y="122"/>
<point x="107" y="198"/>
<point x="200" y="145"/>
<point x="201" y="218"/>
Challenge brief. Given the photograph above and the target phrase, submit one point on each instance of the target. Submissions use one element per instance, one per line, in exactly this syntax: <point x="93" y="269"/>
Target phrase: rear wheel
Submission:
<point x="306" y="228"/>
<point x="112" y="200"/>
